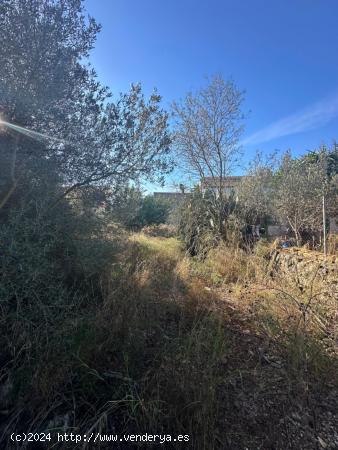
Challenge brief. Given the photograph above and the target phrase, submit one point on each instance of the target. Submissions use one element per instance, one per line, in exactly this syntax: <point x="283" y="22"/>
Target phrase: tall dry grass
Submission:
<point x="126" y="357"/>
<point x="168" y="344"/>
<point x="294" y="304"/>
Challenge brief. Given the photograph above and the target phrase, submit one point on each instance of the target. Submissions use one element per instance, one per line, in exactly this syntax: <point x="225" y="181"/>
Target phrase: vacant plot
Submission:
<point x="218" y="350"/>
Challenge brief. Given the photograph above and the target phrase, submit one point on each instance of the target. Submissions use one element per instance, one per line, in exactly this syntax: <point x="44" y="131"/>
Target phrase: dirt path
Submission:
<point x="261" y="399"/>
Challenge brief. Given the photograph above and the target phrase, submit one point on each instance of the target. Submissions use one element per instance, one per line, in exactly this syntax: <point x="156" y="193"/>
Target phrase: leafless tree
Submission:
<point x="208" y="126"/>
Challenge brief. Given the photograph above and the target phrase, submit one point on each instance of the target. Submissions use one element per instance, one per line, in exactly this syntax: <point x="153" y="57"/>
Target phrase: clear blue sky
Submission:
<point x="283" y="53"/>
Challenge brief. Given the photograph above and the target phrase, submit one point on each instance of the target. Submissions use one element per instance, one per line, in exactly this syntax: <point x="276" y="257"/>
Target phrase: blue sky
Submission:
<point x="282" y="53"/>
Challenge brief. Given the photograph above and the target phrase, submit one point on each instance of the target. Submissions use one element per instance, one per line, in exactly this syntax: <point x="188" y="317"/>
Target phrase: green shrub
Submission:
<point x="152" y="211"/>
<point x="161" y="230"/>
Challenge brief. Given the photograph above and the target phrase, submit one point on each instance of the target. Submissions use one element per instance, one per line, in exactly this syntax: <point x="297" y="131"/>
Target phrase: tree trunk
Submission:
<point x="298" y="238"/>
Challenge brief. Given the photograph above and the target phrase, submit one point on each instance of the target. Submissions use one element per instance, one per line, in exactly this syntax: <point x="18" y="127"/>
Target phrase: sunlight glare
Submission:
<point x="25" y="131"/>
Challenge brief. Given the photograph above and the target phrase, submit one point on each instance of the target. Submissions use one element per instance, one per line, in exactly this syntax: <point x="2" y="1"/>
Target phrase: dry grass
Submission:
<point x="162" y="230"/>
<point x="163" y="247"/>
<point x="219" y="350"/>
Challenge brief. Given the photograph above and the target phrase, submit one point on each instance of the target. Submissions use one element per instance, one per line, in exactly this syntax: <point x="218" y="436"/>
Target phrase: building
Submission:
<point x="229" y="184"/>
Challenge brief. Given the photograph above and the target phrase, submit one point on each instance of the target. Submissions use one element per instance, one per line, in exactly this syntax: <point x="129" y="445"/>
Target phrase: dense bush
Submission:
<point x="152" y="211"/>
<point x="51" y="265"/>
<point x="64" y="147"/>
<point x="134" y="211"/>
<point x="198" y="226"/>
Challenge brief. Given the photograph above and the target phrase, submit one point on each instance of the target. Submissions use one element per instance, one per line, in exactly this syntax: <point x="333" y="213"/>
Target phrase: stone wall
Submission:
<point x="304" y="265"/>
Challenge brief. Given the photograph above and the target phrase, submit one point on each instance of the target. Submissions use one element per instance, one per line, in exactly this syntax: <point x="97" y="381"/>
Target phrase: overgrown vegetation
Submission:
<point x="113" y="321"/>
<point x="185" y="351"/>
<point x="133" y="210"/>
<point x="289" y="193"/>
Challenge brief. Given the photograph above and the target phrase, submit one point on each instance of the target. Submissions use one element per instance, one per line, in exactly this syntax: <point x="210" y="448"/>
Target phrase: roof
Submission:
<point x="226" y="181"/>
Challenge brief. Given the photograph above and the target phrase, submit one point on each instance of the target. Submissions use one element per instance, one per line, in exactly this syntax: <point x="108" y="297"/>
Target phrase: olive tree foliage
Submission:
<point x="63" y="139"/>
<point x="133" y="210"/>
<point x="130" y="141"/>
<point x="125" y="204"/>
<point x="290" y="191"/>
<point x="40" y="78"/>
<point x="207" y="128"/>
<point x="328" y="157"/>
<point x="301" y="185"/>
<point x="47" y="86"/>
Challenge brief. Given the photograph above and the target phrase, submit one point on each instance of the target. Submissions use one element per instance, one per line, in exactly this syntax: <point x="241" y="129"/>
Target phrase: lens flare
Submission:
<point x="29" y="133"/>
<point x="2" y="126"/>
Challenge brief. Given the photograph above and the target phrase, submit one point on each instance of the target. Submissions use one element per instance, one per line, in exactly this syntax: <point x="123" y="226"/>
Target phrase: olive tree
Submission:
<point x="300" y="185"/>
<point x="54" y="109"/>
<point x="290" y="191"/>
